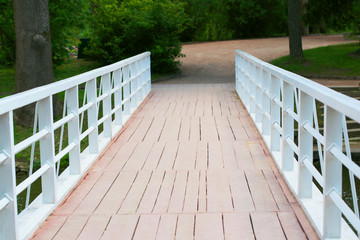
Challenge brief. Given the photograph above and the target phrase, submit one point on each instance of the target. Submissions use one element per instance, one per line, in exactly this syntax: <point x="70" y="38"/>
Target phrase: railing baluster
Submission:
<point x="93" y="117"/>
<point x="8" y="215"/>
<point x="118" y="97"/>
<point x="305" y="145"/>
<point x="252" y="88"/>
<point x="332" y="172"/>
<point x="275" y="113"/>
<point x="258" y="96"/>
<point x="47" y="151"/>
<point x="266" y="102"/>
<point x="105" y="80"/>
<point x="126" y="91"/>
<point x="288" y="127"/>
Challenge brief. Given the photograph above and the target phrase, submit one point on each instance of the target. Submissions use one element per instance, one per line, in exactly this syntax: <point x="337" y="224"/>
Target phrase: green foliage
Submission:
<point x="336" y="60"/>
<point x="125" y="28"/>
<point x="7" y="33"/>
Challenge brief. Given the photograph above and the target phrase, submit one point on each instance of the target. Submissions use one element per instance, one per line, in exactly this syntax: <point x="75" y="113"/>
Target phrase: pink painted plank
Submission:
<point x="201" y="155"/>
<point x="113" y="199"/>
<point x="153" y="159"/>
<point x="120" y="227"/>
<point x="249" y="128"/>
<point x="228" y="153"/>
<point x="94" y="228"/>
<point x="147" y="227"/>
<point x="155" y="129"/>
<point x="186" y="156"/>
<point x="163" y="199"/>
<point x="267" y="226"/>
<point x="129" y="129"/>
<point x="167" y="227"/>
<point x="192" y="190"/>
<point x="216" y="106"/>
<point x="224" y="108"/>
<point x="92" y="200"/>
<point x="208" y="226"/>
<point x="215" y="155"/>
<point x="148" y="200"/>
<point x="140" y="132"/>
<point x="185" y="227"/>
<point x="202" y="200"/>
<point x="71" y="202"/>
<point x="218" y="191"/>
<point x="137" y="159"/>
<point x="72" y="227"/>
<point x="184" y="133"/>
<point x="260" y="191"/>
<point x="238" y="226"/>
<point x="223" y="126"/>
<point x="238" y="129"/>
<point x="168" y="157"/>
<point x="178" y="193"/>
<point x="133" y="198"/>
<point x="49" y="228"/>
<point x="208" y="129"/>
<point x="241" y="196"/>
<point x="199" y="108"/>
<point x="244" y="159"/>
<point x="118" y="162"/>
<point x="259" y="157"/>
<point x="171" y="129"/>
<point x="291" y="226"/>
<point x="191" y="109"/>
<point x="194" y="129"/>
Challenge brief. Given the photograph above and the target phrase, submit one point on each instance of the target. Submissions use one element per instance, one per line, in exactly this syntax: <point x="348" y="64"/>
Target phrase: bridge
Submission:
<point x="184" y="161"/>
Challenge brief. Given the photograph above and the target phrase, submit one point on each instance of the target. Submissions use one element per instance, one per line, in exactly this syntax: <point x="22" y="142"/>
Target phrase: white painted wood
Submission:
<point x="288" y="127"/>
<point x="266" y="121"/>
<point x="117" y="75"/>
<point x="275" y="113"/>
<point x="105" y="80"/>
<point x="92" y="117"/>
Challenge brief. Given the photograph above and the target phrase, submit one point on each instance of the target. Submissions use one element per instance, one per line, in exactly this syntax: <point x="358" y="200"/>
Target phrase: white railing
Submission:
<point x="105" y="98"/>
<point x="283" y="105"/>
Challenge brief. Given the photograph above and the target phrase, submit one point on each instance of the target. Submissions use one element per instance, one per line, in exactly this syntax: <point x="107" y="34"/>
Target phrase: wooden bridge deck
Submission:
<point x="189" y="164"/>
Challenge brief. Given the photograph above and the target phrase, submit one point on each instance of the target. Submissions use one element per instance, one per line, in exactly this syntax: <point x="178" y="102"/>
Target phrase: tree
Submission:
<point x="294" y="25"/>
<point x="33" y="64"/>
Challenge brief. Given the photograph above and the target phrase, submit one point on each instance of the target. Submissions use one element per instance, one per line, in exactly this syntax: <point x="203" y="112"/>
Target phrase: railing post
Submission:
<point x="237" y="63"/>
<point x="305" y="145"/>
<point x="93" y="117"/>
<point x="258" y="96"/>
<point x="126" y="87"/>
<point x="73" y="130"/>
<point x="105" y="80"/>
<point x="148" y="75"/>
<point x="47" y="150"/>
<point x="247" y="84"/>
<point x="118" y="97"/>
<point x="332" y="173"/>
<point x="275" y="113"/>
<point x="252" y="88"/>
<point x="288" y="127"/>
<point x="265" y="84"/>
<point x="133" y="86"/>
<point x="8" y="214"/>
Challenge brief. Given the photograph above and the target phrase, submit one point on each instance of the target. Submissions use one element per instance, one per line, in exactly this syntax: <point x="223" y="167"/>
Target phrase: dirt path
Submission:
<point x="212" y="62"/>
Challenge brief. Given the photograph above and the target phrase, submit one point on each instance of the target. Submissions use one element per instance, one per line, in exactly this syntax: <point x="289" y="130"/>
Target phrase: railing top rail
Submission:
<point x="24" y="98"/>
<point x="340" y="102"/>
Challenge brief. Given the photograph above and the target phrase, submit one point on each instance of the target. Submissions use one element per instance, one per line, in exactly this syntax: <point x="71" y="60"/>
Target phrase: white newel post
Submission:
<point x="288" y="127"/>
<point x="73" y="130"/>
<point x="332" y="173"/>
<point x="92" y="117"/>
<point x="47" y="150"/>
<point x="8" y="202"/>
<point x="305" y="145"/>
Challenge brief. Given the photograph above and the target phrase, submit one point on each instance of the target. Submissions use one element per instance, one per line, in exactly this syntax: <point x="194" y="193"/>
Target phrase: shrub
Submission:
<point x="125" y="28"/>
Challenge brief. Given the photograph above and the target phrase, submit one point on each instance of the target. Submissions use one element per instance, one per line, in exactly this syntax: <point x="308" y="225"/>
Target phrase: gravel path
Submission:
<point x="213" y="62"/>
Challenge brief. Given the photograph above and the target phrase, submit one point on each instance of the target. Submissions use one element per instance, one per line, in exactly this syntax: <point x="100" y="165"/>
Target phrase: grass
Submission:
<point x="335" y="61"/>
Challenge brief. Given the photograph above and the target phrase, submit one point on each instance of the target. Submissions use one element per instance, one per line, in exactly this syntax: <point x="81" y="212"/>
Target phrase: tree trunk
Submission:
<point x="33" y="62"/>
<point x="294" y="25"/>
<point x="304" y="27"/>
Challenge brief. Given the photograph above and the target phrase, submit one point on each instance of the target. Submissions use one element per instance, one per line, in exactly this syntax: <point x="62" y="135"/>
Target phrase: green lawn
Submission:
<point x="337" y="61"/>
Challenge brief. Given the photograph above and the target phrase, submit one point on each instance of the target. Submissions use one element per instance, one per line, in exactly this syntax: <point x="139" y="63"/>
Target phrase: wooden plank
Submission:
<point x="164" y="195"/>
<point x="258" y="155"/>
<point x="94" y="228"/>
<point x="291" y="226"/>
<point x="50" y="227"/>
<point x="184" y="133"/>
<point x="276" y="191"/>
<point x="192" y="190"/>
<point x="155" y="129"/>
<point x="218" y="192"/>
<point x="215" y="156"/>
<point x="238" y="226"/>
<point x="186" y="156"/>
<point x="240" y="193"/>
<point x="129" y="129"/>
<point x="118" y="162"/>
<point x="267" y="226"/>
<point x="216" y="106"/>
<point x="201" y="156"/>
<point x="133" y="198"/>
<point x="202" y="201"/>
<point x="113" y="199"/>
<point x="171" y="129"/>
<point x="238" y="129"/>
<point x="147" y="227"/>
<point x="244" y="159"/>
<point x="224" y="108"/>
<point x="168" y="157"/>
<point x="228" y="153"/>
<point x="224" y="129"/>
<point x="167" y="227"/>
<point x="199" y="108"/>
<point x="208" y="129"/>
<point x="195" y="129"/>
<point x="148" y="200"/>
<point x="260" y="191"/>
<point x="153" y="159"/>
<point x="94" y="197"/>
<point x="185" y="227"/>
<point x="72" y="227"/>
<point x="137" y="160"/>
<point x="142" y="129"/>
<point x="178" y="193"/>
<point x="121" y="227"/>
<point x="208" y="226"/>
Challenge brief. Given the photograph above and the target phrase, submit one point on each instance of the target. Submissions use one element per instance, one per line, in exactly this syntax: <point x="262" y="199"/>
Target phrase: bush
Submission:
<point x="126" y="28"/>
